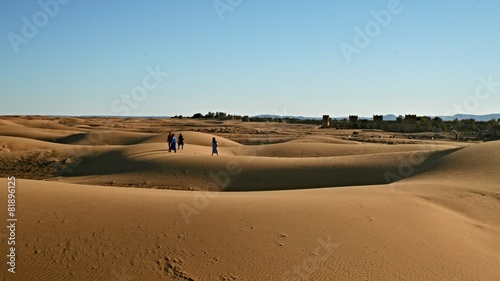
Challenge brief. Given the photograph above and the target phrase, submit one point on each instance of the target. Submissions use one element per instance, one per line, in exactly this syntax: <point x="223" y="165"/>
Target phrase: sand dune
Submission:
<point x="322" y="206"/>
<point x="9" y="123"/>
<point x="342" y="234"/>
<point x="466" y="177"/>
<point x="196" y="138"/>
<point x="319" y="149"/>
<point x="42" y="134"/>
<point x="242" y="168"/>
<point x="25" y="144"/>
<point x="232" y="173"/>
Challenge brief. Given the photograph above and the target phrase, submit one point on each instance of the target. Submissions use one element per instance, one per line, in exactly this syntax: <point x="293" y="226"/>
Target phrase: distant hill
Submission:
<point x="389" y="117"/>
<point x="486" y="117"/>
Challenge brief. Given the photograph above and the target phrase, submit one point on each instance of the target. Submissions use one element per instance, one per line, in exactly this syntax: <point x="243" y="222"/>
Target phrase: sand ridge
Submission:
<point x="323" y="206"/>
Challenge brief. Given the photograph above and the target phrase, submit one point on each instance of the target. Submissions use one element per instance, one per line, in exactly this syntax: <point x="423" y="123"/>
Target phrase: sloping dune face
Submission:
<point x="238" y="168"/>
<point x="466" y="181"/>
<point x="130" y="158"/>
<point x="322" y="207"/>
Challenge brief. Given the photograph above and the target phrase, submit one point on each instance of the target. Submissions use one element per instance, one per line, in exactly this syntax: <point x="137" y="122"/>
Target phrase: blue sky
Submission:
<point x="307" y="58"/>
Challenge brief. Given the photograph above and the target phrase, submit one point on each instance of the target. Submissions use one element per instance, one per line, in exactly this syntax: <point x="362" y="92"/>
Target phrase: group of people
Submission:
<point x="173" y="144"/>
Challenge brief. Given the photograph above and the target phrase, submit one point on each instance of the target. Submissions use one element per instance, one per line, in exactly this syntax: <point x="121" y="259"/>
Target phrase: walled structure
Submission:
<point x="495" y="130"/>
<point x="326" y="121"/>
<point x="378" y="122"/>
<point x="378" y="118"/>
<point x="410" y="123"/>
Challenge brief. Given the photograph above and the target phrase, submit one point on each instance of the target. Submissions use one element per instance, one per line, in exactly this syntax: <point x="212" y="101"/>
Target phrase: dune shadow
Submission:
<point x="71" y="139"/>
<point x="113" y="162"/>
<point x="100" y="138"/>
<point x="256" y="176"/>
<point x="286" y="178"/>
<point x="145" y="153"/>
<point x="431" y="163"/>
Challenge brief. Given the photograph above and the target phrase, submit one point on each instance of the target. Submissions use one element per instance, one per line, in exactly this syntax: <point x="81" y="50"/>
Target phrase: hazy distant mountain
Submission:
<point x="486" y="117"/>
<point x="389" y="117"/>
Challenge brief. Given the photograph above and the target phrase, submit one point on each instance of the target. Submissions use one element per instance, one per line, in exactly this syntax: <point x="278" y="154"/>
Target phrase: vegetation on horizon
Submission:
<point x="245" y="118"/>
<point x="423" y="123"/>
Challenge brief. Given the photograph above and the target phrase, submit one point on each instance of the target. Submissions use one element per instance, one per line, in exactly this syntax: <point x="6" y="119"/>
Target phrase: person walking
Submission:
<point x="169" y="141"/>
<point x="215" y="146"/>
<point x="181" y="142"/>
<point x="173" y="144"/>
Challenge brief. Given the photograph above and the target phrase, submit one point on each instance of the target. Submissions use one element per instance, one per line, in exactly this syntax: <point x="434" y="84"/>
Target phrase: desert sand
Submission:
<point x="103" y="199"/>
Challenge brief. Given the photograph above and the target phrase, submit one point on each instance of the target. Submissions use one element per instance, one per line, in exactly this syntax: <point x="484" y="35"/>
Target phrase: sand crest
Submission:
<point x="315" y="206"/>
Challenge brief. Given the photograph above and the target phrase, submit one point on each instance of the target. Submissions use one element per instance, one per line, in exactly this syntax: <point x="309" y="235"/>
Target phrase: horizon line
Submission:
<point x="257" y="115"/>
